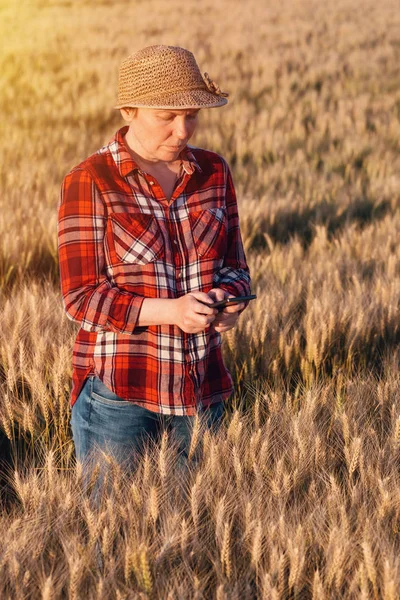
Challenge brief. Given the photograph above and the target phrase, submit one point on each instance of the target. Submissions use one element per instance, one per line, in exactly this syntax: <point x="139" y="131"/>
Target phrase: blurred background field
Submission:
<point x="298" y="496"/>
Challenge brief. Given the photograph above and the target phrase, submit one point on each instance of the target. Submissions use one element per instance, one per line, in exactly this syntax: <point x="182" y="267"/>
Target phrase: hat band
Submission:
<point x="174" y="91"/>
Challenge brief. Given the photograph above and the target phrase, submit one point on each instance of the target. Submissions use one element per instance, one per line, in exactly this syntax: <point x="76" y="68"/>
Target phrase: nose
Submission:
<point x="181" y="129"/>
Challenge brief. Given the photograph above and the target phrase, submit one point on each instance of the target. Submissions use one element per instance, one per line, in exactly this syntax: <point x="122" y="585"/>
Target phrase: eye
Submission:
<point x="165" y="116"/>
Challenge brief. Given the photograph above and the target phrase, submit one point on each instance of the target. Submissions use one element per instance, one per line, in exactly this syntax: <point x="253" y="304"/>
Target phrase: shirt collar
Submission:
<point x="126" y="164"/>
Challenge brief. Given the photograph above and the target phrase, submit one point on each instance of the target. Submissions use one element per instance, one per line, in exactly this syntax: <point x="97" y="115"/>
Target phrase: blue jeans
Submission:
<point x="103" y="421"/>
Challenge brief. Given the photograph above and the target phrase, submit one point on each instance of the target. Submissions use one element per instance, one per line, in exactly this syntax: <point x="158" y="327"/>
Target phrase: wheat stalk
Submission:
<point x="282" y="564"/>
<point x="220" y="595"/>
<point x="195" y="436"/>
<point x="47" y="589"/>
<point x="225" y="551"/>
<point x="235" y="428"/>
<point x="256" y="412"/>
<point x="162" y="457"/>
<point x="194" y="499"/>
<point x="128" y="563"/>
<point x="100" y="589"/>
<point x="146" y="573"/>
<point x="213" y="460"/>
<point x="396" y="432"/>
<point x="318" y="592"/>
<point x="256" y="547"/>
<point x="153" y="504"/>
<point x="354" y="455"/>
<point x="75" y="567"/>
<point x="136" y="495"/>
<point x="269" y="591"/>
<point x="294" y="562"/>
<point x="389" y="583"/>
<point x="146" y="471"/>
<point x="370" y="566"/>
<point x="26" y="578"/>
<point x="5" y="424"/>
<point x="237" y="466"/>
<point x="184" y="535"/>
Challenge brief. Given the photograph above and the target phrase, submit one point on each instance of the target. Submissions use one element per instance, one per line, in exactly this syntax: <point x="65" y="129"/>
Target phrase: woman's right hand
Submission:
<point x="192" y="316"/>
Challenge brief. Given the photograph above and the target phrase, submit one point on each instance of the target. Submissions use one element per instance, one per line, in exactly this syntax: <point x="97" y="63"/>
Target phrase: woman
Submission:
<point x="148" y="236"/>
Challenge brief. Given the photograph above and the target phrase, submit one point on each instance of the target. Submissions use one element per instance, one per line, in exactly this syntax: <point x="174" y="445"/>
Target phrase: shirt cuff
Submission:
<point x="124" y="312"/>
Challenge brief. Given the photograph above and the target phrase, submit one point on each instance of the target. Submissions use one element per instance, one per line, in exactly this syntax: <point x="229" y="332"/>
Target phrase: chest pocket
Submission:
<point x="209" y="231"/>
<point x="136" y="238"/>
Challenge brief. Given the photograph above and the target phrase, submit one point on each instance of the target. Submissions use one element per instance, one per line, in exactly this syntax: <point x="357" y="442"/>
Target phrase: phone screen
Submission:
<point x="238" y="300"/>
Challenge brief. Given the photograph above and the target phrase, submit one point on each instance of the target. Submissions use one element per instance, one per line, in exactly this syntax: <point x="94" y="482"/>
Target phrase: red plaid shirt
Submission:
<point x="120" y="241"/>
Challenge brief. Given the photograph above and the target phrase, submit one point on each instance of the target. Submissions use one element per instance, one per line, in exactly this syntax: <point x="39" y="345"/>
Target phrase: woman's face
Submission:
<point x="159" y="134"/>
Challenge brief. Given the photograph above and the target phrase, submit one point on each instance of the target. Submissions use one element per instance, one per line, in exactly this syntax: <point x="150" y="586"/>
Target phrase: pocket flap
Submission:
<point x="136" y="238"/>
<point x="209" y="232"/>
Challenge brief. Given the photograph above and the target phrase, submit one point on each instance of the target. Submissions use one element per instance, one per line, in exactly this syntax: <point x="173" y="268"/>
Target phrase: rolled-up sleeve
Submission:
<point x="89" y="296"/>
<point x="233" y="276"/>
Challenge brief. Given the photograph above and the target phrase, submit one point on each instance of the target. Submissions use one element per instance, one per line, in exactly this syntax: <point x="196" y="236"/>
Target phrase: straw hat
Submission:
<point x="166" y="77"/>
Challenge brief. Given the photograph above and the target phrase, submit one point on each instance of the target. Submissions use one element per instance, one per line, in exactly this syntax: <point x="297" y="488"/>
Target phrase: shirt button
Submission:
<point x="176" y="242"/>
<point x="178" y="275"/>
<point x="151" y="182"/>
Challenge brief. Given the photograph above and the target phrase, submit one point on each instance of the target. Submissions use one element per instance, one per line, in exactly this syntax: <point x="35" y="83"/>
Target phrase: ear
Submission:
<point x="128" y="113"/>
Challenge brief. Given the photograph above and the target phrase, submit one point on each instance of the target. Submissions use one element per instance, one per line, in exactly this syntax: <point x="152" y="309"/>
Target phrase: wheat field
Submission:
<point x="298" y="495"/>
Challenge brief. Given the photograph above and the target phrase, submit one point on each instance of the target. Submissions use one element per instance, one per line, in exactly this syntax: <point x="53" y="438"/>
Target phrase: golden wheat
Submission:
<point x="298" y="494"/>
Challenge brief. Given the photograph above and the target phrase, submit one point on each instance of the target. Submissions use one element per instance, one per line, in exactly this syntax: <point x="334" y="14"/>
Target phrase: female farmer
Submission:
<point x="148" y="235"/>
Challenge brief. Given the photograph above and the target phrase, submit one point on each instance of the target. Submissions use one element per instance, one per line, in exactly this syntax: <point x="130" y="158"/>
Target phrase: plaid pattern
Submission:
<point x="120" y="241"/>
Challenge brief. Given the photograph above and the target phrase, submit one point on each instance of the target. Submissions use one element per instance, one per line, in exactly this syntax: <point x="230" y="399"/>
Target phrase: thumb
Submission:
<point x="217" y="294"/>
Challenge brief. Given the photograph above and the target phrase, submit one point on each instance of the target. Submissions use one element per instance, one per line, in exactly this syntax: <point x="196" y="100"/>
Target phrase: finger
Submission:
<point x="226" y="318"/>
<point x="223" y="325"/>
<point x="202" y="309"/>
<point x="202" y="297"/>
<point x="205" y="320"/>
<point x="202" y="300"/>
<point x="234" y="308"/>
<point x="222" y="329"/>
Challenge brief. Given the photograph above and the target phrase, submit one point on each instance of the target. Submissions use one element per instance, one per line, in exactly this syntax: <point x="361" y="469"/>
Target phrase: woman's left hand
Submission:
<point x="226" y="319"/>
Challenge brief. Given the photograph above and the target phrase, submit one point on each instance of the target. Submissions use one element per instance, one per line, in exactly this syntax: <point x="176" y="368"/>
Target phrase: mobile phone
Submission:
<point x="228" y="301"/>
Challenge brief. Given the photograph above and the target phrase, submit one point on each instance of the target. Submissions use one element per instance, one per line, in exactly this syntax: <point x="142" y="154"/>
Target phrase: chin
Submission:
<point x="172" y="153"/>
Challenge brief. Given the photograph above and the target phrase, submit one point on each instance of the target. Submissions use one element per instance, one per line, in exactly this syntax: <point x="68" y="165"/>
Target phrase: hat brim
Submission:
<point x="177" y="101"/>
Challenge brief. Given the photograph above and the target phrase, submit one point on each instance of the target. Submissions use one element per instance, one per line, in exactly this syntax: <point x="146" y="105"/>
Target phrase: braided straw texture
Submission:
<point x="166" y="77"/>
